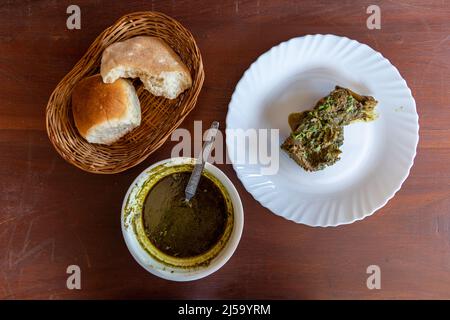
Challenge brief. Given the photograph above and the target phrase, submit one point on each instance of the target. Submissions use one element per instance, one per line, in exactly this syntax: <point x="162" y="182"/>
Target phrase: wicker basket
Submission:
<point x="160" y="116"/>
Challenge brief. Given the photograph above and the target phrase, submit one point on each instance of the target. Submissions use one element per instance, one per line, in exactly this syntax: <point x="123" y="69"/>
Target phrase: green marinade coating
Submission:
<point x="318" y="134"/>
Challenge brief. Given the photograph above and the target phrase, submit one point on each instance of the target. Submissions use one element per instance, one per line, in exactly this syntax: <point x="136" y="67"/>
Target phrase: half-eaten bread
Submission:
<point x="151" y="60"/>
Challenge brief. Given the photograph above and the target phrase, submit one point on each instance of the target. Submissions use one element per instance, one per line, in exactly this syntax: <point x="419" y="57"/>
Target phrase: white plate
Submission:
<point x="377" y="156"/>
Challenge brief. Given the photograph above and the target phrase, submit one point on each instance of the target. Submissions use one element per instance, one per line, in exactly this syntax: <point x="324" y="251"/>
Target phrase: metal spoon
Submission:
<point x="192" y="185"/>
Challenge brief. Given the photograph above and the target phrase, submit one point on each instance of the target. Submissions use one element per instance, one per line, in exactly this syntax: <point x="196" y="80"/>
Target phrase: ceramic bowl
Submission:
<point x="153" y="260"/>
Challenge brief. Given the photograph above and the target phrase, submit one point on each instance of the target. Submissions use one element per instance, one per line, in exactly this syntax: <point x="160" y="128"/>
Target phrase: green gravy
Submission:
<point x="182" y="229"/>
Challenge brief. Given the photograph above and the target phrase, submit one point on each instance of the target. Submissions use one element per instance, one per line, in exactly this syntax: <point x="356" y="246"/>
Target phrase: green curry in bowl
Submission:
<point x="180" y="228"/>
<point x="167" y="235"/>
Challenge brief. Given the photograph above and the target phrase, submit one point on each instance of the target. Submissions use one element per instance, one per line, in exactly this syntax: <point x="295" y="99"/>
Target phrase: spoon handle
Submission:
<point x="192" y="185"/>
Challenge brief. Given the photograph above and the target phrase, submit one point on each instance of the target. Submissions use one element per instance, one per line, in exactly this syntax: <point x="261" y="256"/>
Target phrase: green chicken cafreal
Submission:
<point x="318" y="134"/>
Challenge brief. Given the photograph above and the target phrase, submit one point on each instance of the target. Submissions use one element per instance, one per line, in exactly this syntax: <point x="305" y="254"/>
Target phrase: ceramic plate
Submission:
<point x="376" y="156"/>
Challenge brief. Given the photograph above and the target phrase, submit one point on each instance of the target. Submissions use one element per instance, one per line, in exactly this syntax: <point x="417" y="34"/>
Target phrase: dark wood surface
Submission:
<point x="53" y="215"/>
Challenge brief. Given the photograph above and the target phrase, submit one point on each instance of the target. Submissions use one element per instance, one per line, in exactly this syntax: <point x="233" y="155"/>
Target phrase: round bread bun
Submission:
<point x="151" y="60"/>
<point x="104" y="113"/>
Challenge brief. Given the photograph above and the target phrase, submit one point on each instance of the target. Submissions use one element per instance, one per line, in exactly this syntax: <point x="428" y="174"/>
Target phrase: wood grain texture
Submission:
<point x="53" y="215"/>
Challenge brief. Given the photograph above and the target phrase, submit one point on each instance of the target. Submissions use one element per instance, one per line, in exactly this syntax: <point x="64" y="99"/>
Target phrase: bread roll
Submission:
<point x="151" y="60"/>
<point x="103" y="113"/>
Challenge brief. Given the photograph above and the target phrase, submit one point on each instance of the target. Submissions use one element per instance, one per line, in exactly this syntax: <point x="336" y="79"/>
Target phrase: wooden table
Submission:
<point x="53" y="215"/>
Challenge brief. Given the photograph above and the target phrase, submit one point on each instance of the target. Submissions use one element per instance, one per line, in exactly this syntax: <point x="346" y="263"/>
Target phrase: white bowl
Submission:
<point x="163" y="270"/>
<point x="377" y="155"/>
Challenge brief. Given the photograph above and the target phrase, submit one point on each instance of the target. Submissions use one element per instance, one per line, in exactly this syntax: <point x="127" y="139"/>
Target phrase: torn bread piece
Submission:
<point x="151" y="60"/>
